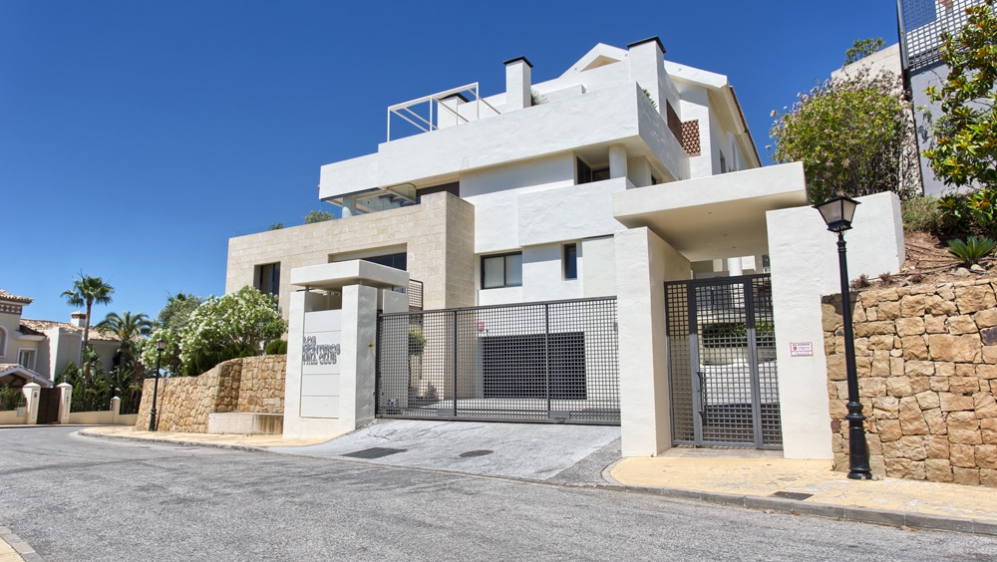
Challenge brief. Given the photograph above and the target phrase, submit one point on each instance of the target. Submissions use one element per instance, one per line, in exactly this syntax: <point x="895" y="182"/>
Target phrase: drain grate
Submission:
<point x="476" y="453"/>
<point x="792" y="495"/>
<point x="374" y="453"/>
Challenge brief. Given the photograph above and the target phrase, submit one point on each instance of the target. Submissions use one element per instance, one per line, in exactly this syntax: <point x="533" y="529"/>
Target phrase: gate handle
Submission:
<point x="702" y="395"/>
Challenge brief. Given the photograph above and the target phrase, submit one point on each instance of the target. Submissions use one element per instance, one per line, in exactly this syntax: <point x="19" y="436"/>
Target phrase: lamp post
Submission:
<point x="160" y="346"/>
<point x="837" y="213"/>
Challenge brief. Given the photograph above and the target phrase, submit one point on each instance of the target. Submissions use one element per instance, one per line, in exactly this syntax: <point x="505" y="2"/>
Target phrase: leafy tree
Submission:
<point x="964" y="151"/>
<point x="176" y="313"/>
<point x="854" y="135"/>
<point x="235" y="325"/>
<point x="129" y="328"/>
<point x="863" y="48"/>
<point x="318" y="216"/>
<point x="172" y="319"/>
<point x="277" y="226"/>
<point x="88" y="291"/>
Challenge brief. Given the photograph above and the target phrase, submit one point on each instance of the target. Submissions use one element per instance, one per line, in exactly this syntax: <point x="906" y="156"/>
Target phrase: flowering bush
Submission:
<point x="854" y="135"/>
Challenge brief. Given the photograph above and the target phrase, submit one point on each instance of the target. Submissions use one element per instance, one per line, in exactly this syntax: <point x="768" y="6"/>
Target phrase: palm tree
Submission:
<point x="88" y="291"/>
<point x="127" y="327"/>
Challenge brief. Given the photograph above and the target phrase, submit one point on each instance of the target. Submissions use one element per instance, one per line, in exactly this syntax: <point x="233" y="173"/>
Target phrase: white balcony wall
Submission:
<point x="696" y="106"/>
<point x="569" y="213"/>
<point x="349" y="176"/>
<point x="495" y="194"/>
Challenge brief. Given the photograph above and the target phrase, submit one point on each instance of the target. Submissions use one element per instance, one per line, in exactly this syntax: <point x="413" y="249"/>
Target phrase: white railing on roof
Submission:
<point x="405" y="111"/>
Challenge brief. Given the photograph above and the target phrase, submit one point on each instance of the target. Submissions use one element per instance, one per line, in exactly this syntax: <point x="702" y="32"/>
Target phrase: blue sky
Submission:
<point x="137" y="137"/>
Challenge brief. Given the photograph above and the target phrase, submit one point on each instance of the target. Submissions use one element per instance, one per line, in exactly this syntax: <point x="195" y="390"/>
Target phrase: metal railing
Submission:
<point x="551" y="361"/>
<point x="415" y="292"/>
<point x="430" y="122"/>
<point x="922" y="23"/>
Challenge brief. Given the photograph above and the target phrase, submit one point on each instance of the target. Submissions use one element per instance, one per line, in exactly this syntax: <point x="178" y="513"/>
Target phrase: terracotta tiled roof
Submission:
<point x="42" y="325"/>
<point x="5" y="296"/>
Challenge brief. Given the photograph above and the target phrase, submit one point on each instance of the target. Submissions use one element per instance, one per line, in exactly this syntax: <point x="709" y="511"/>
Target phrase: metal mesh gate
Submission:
<point x="537" y="362"/>
<point x="922" y="24"/>
<point x="722" y="368"/>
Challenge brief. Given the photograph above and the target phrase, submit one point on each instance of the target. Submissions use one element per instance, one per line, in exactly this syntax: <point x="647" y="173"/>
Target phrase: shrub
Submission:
<point x="968" y="214"/>
<point x="276" y="347"/>
<point x="416" y="341"/>
<point x="921" y="214"/>
<point x="860" y="282"/>
<point x="972" y="250"/>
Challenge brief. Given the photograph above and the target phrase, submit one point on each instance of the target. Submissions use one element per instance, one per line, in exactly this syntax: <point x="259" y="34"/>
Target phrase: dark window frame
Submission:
<point x="505" y="274"/>
<point x="570" y="260"/>
<point x="274" y="280"/>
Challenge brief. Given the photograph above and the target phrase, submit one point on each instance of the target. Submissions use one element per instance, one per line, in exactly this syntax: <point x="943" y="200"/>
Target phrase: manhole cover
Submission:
<point x="374" y="453"/>
<point x="792" y="495"/>
<point x="477" y="453"/>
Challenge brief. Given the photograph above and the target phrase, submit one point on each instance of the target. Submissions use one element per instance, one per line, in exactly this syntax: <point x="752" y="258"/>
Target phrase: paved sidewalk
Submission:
<point x="245" y="442"/>
<point x="13" y="549"/>
<point x="809" y="487"/>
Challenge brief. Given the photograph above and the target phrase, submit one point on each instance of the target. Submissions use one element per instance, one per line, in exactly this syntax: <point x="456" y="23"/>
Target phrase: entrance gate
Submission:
<point x="721" y="356"/>
<point x="542" y="362"/>
<point x="48" y="405"/>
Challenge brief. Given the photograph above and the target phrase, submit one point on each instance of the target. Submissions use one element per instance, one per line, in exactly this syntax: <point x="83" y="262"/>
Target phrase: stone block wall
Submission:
<point x="252" y="384"/>
<point x="926" y="360"/>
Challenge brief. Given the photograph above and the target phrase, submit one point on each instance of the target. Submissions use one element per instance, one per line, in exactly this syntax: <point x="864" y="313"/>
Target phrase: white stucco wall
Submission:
<point x="597" y="266"/>
<point x="643" y="263"/>
<point x="804" y="267"/>
<point x="568" y="213"/>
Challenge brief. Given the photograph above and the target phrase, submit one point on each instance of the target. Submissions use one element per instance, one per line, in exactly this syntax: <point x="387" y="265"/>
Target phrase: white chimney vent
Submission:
<point x="78" y="318"/>
<point x="517" y="83"/>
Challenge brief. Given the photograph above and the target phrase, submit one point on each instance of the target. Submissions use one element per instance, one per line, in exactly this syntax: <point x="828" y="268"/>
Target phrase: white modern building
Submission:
<point x="593" y="248"/>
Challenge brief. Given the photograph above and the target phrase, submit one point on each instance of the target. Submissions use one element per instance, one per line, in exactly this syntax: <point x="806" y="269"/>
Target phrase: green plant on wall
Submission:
<point x="972" y="250"/>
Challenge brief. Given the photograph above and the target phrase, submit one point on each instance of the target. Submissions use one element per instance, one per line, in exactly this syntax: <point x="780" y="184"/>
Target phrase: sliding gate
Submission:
<point x="721" y="354"/>
<point x="551" y="361"/>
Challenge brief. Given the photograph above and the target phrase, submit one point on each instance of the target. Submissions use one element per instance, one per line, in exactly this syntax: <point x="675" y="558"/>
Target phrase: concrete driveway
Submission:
<point x="531" y="451"/>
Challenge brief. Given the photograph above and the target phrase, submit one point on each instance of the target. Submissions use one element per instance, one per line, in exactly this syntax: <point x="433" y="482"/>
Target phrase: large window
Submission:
<point x="268" y="279"/>
<point x="505" y="270"/>
<point x="397" y="261"/>
<point x="571" y="261"/>
<point x="586" y="174"/>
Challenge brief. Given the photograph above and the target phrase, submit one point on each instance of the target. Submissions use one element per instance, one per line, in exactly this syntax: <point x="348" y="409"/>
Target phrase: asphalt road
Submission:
<point x="78" y="499"/>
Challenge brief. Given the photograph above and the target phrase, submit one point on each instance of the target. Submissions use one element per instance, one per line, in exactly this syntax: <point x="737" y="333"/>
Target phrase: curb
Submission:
<point x="781" y="505"/>
<point x="22" y="548"/>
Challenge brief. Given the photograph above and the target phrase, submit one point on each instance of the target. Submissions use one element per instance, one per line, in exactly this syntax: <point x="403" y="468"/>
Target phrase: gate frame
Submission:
<point x="379" y="409"/>
<point x="697" y="378"/>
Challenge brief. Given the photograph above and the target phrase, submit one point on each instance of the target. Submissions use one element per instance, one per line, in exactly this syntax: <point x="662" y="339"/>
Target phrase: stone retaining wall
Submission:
<point x="253" y="384"/>
<point x="927" y="365"/>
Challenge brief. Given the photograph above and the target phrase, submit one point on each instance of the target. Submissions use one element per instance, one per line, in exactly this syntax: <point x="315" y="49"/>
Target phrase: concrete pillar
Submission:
<point x="804" y="268"/>
<point x="617" y="161"/>
<point x="65" y="401"/>
<point x="734" y="267"/>
<point x="517" y="83"/>
<point x="647" y="64"/>
<point x="444" y="117"/>
<point x="639" y="171"/>
<point x="349" y="206"/>
<point x="359" y="332"/>
<point x="32" y="393"/>
<point x="115" y="409"/>
<point x="643" y="263"/>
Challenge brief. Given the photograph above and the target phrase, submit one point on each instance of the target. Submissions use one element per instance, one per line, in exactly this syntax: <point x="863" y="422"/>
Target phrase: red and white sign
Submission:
<point x="801" y="349"/>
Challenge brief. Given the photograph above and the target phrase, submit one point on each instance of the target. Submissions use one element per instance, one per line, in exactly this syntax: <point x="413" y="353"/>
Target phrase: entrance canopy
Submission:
<point x="714" y="217"/>
<point x="353" y="272"/>
<point x="16" y="375"/>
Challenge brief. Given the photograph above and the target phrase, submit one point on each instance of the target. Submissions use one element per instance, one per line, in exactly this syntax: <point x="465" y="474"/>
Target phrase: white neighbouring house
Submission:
<point x="599" y="186"/>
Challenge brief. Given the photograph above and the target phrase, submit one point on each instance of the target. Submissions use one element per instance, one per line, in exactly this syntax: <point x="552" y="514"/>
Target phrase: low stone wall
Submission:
<point x="253" y="384"/>
<point x="926" y="359"/>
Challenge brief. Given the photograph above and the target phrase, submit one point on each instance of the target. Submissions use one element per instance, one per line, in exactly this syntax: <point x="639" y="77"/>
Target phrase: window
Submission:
<point x="571" y="261"/>
<point x="397" y="261"/>
<point x="504" y="270"/>
<point x="587" y="175"/>
<point x="723" y="164"/>
<point x="3" y="341"/>
<point x="26" y="358"/>
<point x="268" y="278"/>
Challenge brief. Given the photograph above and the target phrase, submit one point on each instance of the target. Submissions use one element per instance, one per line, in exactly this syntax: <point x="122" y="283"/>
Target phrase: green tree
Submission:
<point x="964" y="150"/>
<point x="88" y="291"/>
<point x="129" y="328"/>
<point x="277" y="226"/>
<point x="318" y="216"/>
<point x="854" y="135"/>
<point x="863" y="48"/>
<point x="172" y="319"/>
<point x="235" y="325"/>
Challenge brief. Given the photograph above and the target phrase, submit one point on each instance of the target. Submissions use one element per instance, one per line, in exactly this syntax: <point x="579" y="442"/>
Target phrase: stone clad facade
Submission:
<point x="252" y="384"/>
<point x="926" y="359"/>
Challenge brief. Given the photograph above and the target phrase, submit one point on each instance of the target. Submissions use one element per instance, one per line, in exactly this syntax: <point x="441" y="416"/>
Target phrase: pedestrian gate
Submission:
<point x="48" y="405"/>
<point x="722" y="367"/>
<point x="551" y="361"/>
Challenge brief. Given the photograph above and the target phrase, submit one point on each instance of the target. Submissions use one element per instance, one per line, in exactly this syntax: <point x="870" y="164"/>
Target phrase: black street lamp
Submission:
<point x="838" y="213"/>
<point x="160" y="346"/>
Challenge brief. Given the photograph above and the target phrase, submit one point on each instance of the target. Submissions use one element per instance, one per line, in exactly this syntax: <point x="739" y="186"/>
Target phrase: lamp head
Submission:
<point x="161" y="345"/>
<point x="837" y="212"/>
